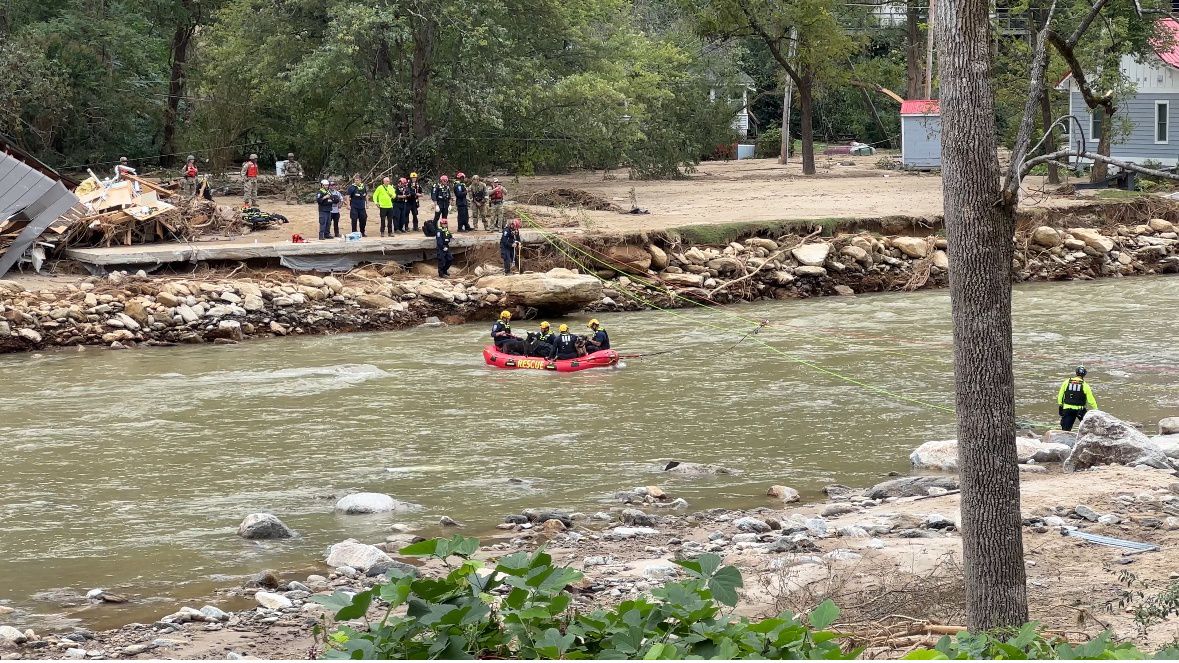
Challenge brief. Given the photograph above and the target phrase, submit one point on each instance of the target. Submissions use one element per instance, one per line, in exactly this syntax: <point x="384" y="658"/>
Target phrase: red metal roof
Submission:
<point x="920" y="107"/>
<point x="1171" y="53"/>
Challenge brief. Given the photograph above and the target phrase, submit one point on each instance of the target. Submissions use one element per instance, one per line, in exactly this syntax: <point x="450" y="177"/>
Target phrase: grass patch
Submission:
<point x="1119" y="194"/>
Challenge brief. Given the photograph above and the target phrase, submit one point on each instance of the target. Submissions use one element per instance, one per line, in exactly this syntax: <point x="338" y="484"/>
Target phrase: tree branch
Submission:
<point x="1075" y="37"/>
<point x="770" y="43"/>
<point x="1023" y="136"/>
<point x="1091" y="99"/>
<point x="1086" y="154"/>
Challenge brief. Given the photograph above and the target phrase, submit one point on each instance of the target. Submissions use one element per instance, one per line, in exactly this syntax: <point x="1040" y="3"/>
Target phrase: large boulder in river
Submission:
<point x="1106" y="440"/>
<point x="369" y="560"/>
<point x="264" y="526"/>
<point x="1169" y="426"/>
<point x="555" y="291"/>
<point x="1047" y="237"/>
<point x="361" y="503"/>
<point x="943" y="454"/>
<point x="911" y="486"/>
<point x="695" y="469"/>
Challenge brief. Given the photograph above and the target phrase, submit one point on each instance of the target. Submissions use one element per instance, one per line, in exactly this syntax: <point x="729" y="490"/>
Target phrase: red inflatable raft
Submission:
<point x="599" y="359"/>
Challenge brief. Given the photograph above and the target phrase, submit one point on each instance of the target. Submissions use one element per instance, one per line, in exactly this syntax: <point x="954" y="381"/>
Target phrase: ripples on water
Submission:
<point x="131" y="470"/>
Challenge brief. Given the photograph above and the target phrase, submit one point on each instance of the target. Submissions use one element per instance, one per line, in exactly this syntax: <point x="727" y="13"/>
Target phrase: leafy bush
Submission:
<point x="520" y="609"/>
<point x="769" y="144"/>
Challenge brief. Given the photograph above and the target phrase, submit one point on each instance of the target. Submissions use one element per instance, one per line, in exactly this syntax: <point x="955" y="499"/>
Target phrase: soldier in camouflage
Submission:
<point x="293" y="173"/>
<point x="479" y="204"/>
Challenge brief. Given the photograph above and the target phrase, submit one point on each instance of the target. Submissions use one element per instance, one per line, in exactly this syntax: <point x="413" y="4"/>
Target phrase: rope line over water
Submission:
<point x="714" y="307"/>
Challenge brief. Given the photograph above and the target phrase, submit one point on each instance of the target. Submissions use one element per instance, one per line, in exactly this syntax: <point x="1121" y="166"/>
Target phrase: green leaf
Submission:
<point x="552" y="644"/>
<point x="334" y="602"/>
<point x="661" y="650"/>
<point x="358" y="608"/>
<point x="925" y="655"/>
<point x="425" y="548"/>
<point x="823" y="615"/>
<point x="723" y="584"/>
<point x="395" y="593"/>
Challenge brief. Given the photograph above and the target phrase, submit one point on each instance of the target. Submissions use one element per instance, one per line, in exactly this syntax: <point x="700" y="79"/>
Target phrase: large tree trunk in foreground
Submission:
<point x="914" y="58"/>
<point x="979" y="228"/>
<point x="805" y="100"/>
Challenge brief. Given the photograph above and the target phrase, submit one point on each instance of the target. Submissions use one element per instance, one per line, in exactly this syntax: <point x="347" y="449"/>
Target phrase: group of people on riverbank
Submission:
<point x="546" y="344"/>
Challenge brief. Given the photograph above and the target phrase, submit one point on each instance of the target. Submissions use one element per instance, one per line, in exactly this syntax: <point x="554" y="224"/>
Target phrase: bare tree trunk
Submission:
<point x="425" y="35"/>
<point x="1100" y="168"/>
<point x="805" y="92"/>
<point x="181" y="38"/>
<point x="914" y="73"/>
<point x="1050" y="141"/>
<point x="788" y="99"/>
<point x="979" y="230"/>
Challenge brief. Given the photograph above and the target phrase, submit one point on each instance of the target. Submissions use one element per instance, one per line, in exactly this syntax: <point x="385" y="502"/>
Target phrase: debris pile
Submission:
<point x="570" y="198"/>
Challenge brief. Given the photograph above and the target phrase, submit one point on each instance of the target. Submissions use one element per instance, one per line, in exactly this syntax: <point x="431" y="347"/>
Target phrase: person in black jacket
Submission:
<point x="440" y="194"/>
<point x="323" y="199"/>
<point x="509" y="239"/>
<point x="357" y="198"/>
<point x="413" y="202"/>
<point x="442" y="243"/>
<point x="600" y="339"/>
<point x="566" y="345"/>
<point x="460" y="202"/>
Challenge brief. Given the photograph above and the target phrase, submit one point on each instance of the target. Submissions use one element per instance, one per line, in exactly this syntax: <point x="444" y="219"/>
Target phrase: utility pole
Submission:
<point x="788" y="99"/>
<point x="929" y="53"/>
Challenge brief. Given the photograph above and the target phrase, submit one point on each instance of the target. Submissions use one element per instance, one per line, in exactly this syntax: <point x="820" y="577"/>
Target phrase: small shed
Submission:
<point x="921" y="134"/>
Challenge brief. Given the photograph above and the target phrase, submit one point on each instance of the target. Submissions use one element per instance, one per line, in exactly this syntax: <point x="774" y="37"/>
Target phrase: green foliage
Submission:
<point x="769" y="144"/>
<point x="520" y="609"/>
<point x="1029" y="643"/>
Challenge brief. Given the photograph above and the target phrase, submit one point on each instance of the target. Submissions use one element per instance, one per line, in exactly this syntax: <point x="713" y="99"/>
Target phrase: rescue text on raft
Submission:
<point x="599" y="359"/>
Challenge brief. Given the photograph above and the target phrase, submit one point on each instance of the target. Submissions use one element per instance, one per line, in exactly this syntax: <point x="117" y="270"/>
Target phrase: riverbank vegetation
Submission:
<point x="521" y="608"/>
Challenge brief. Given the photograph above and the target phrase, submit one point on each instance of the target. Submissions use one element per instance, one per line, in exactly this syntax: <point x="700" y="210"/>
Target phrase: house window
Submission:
<point x="1095" y="116"/>
<point x="1162" y="110"/>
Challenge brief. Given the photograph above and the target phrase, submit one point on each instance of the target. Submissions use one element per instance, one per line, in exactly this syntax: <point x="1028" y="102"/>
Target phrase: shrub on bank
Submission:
<point x="522" y="608"/>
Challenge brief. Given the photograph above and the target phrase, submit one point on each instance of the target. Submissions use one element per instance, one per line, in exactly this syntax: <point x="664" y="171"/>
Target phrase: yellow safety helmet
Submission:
<point x="413" y="174"/>
<point x="506" y="315"/>
<point x="544" y="325"/>
<point x="563" y="328"/>
<point x="593" y="323"/>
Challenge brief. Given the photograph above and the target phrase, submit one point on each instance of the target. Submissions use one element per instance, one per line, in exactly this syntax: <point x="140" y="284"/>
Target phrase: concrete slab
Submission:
<point x="401" y="249"/>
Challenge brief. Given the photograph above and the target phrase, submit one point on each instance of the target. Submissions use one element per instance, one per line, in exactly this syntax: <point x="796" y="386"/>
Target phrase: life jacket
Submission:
<point x="1074" y="393"/>
<point x="601" y="338"/>
<point x="441" y="192"/>
<point x="251" y="169"/>
<point x="460" y="194"/>
<point x="443" y="239"/>
<point x="500" y="326"/>
<point x="508" y="239"/>
<point x="566" y="343"/>
<point x="497" y="195"/>
<point x="190" y="170"/>
<point x="545" y="337"/>
<point x="479" y="193"/>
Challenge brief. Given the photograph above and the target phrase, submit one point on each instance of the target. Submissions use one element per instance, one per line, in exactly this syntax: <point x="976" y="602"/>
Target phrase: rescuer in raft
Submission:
<point x="545" y="341"/>
<point x="1075" y="399"/>
<point x="501" y="335"/>
<point x="600" y="340"/>
<point x="568" y="346"/>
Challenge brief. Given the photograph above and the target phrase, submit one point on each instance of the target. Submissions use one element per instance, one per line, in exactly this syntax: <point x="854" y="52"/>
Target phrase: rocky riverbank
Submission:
<point x="123" y="310"/>
<point x="889" y="555"/>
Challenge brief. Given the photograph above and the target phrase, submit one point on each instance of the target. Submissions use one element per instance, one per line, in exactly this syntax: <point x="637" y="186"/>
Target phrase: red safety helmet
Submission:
<point x="460" y="176"/>
<point x="442" y="221"/>
<point x="444" y="179"/>
<point x="516" y="223"/>
<point x="297" y="239"/>
<point x="402" y="181"/>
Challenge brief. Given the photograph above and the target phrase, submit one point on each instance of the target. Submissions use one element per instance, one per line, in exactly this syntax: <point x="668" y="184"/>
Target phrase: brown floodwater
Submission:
<point x="130" y="471"/>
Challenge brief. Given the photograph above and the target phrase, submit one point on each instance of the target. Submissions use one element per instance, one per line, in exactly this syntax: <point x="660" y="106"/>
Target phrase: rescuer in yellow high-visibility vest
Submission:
<point x="1074" y="399"/>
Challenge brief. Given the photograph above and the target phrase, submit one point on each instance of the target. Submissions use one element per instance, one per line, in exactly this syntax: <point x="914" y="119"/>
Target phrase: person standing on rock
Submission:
<point x="188" y="175"/>
<point x="497" y="196"/>
<point x="291" y="176"/>
<point x="324" y="199"/>
<point x="1075" y="399"/>
<point x="442" y="244"/>
<point x="250" y="181"/>
<point x="509" y="240"/>
<point x="460" y="202"/>
<point x="479" y="203"/>
<point x="385" y="197"/>
<point x="357" y="197"/>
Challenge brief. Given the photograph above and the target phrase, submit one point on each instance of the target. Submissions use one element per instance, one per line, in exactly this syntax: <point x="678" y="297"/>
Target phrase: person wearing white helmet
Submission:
<point x="250" y="181"/>
<point x="323" y="198"/>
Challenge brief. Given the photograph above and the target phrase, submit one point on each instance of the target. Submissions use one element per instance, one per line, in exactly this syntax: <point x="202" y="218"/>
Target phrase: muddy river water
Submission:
<point x="131" y="470"/>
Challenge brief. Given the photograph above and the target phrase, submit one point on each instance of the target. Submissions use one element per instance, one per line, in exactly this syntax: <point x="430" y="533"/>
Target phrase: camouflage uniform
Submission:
<point x="250" y="172"/>
<point x="479" y="204"/>
<point x="497" y="195"/>
<point x="188" y="178"/>
<point x="294" y="173"/>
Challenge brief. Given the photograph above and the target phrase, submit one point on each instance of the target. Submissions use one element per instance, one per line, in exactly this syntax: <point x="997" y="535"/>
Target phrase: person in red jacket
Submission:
<point x="188" y="178"/>
<point x="250" y="180"/>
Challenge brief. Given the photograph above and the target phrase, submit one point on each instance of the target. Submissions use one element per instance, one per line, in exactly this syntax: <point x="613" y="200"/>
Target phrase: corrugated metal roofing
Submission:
<point x="28" y="189"/>
<point x="921" y="107"/>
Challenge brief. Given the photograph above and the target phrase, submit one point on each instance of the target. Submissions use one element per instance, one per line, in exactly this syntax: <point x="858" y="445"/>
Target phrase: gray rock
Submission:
<point x="214" y="614"/>
<point x="1169" y="426"/>
<point x="1054" y="521"/>
<point x="747" y="524"/>
<point x="136" y="650"/>
<point x="833" y="510"/>
<point x="746" y="537"/>
<point x="784" y="493"/>
<point x="263" y="526"/>
<point x="273" y="601"/>
<point x="366" y="559"/>
<point x="1169" y="444"/>
<point x="362" y="503"/>
<point x="598" y="560"/>
<point x="10" y="634"/>
<point x="937" y="521"/>
<point x="911" y="486"/>
<point x="943" y="454"/>
<point x="1067" y="438"/>
<point x="842" y="555"/>
<point x="447" y="521"/>
<point x="1106" y="440"/>
<point x="1052" y="453"/>
<point x="852" y="532"/>
<point x="296" y="586"/>
<point x="619" y="533"/>
<point x="638" y="518"/>
<point x="1086" y="512"/>
<point x="816" y="526"/>
<point x="695" y="469"/>
<point x="1109" y="519"/>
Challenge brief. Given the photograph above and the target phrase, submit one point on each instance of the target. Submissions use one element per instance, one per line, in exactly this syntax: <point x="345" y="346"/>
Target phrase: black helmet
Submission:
<point x="1081" y="371"/>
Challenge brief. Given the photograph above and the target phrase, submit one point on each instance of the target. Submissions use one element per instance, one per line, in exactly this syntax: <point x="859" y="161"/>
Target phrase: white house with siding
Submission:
<point x="1152" y="112"/>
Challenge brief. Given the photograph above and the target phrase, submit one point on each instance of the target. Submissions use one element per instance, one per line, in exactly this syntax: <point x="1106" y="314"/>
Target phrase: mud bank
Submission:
<point x="596" y="273"/>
